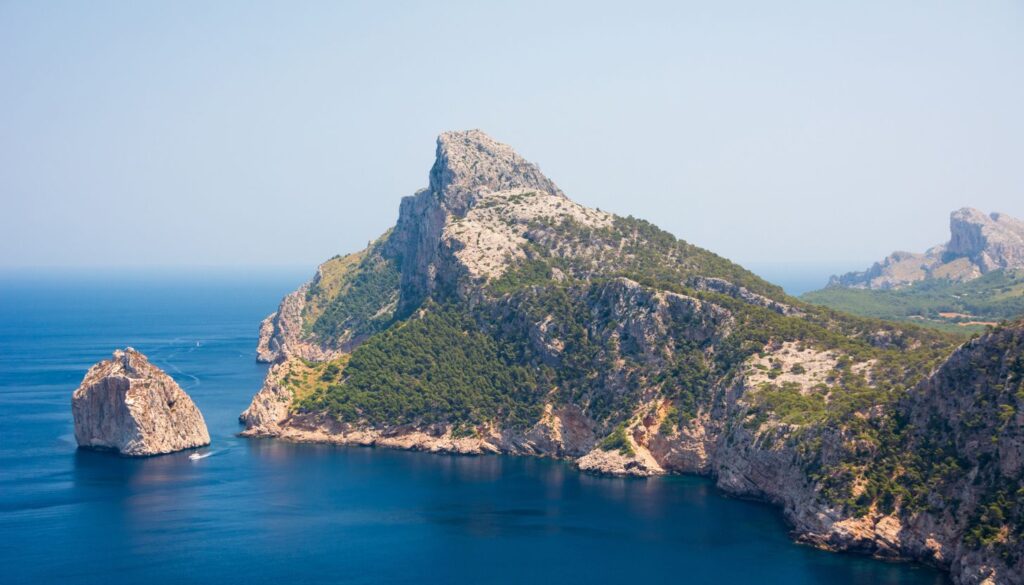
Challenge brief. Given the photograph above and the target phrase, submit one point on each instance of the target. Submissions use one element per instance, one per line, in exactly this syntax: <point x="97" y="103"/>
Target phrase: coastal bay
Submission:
<point x="268" y="511"/>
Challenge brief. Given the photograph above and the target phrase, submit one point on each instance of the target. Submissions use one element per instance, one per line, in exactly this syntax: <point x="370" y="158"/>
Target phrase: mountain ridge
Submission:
<point x="973" y="281"/>
<point x="979" y="243"/>
<point x="499" y="316"/>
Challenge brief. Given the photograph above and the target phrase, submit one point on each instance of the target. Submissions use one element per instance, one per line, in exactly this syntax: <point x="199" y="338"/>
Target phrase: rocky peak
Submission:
<point x="991" y="241"/>
<point x="978" y="244"/>
<point x="965" y="227"/>
<point x="130" y="362"/>
<point x="470" y="161"/>
<point x="469" y="165"/>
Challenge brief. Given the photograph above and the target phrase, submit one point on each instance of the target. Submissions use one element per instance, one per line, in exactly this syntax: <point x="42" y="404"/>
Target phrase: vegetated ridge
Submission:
<point x="499" y="316"/>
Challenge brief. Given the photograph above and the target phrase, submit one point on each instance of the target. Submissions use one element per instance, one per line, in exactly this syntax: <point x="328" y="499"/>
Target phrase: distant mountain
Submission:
<point x="499" y="316"/>
<point x="960" y="307"/>
<point x="978" y="244"/>
<point x="974" y="280"/>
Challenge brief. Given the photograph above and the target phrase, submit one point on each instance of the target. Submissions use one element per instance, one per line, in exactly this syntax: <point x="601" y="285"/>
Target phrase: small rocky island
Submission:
<point x="128" y="405"/>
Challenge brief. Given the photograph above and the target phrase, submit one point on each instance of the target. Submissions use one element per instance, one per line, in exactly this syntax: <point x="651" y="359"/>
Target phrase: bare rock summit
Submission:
<point x="978" y="244"/>
<point x="128" y="405"/>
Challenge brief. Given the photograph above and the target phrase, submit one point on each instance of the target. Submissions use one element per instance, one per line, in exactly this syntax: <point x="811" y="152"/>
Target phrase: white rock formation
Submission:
<point x="129" y="405"/>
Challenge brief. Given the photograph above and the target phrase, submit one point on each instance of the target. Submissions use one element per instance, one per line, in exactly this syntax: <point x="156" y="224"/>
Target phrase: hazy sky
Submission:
<point x="215" y="133"/>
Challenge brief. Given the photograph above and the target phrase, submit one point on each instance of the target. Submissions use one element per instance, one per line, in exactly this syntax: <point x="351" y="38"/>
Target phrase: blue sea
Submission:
<point x="266" y="512"/>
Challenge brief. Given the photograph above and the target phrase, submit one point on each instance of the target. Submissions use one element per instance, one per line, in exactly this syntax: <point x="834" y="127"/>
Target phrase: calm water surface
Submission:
<point x="267" y="512"/>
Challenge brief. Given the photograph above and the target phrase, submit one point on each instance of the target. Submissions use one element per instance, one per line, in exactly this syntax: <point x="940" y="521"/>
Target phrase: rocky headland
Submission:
<point x="128" y="405"/>
<point x="979" y="243"/>
<point x="499" y="316"/>
<point x="974" y="281"/>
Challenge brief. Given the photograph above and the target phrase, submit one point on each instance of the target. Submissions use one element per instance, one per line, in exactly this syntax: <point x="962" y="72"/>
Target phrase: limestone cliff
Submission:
<point x="499" y="316"/>
<point x="978" y="244"/>
<point x="129" y="405"/>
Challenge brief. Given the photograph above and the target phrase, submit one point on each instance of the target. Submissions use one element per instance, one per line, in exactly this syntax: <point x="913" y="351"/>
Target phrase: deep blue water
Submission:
<point x="267" y="512"/>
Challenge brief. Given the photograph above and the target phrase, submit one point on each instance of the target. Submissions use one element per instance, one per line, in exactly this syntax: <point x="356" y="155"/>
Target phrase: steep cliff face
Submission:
<point x="349" y="298"/>
<point x="128" y="405"/>
<point x="973" y="281"/>
<point x="418" y="253"/>
<point x="469" y="167"/>
<point x="284" y="331"/>
<point x="500" y="316"/>
<point x="991" y="242"/>
<point x="971" y="410"/>
<point x="978" y="244"/>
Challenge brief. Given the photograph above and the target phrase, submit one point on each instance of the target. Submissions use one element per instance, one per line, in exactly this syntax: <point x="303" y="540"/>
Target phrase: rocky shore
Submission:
<point x="743" y="464"/>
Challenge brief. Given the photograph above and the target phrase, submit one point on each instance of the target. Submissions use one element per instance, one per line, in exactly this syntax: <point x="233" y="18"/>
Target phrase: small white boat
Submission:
<point x="198" y="456"/>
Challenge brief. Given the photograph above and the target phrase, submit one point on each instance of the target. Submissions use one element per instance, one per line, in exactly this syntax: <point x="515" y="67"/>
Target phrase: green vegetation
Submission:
<point x="333" y="276"/>
<point x="364" y="301"/>
<point x="557" y="327"/>
<point x="912" y="458"/>
<point x="586" y="361"/>
<point x="306" y="378"/>
<point x="671" y="423"/>
<point x="951" y="306"/>
<point x="527" y="273"/>
<point x="687" y="382"/>
<point x="638" y="249"/>
<point x="790" y="405"/>
<point x="435" y="368"/>
<point x="987" y="527"/>
<point x="618" y="441"/>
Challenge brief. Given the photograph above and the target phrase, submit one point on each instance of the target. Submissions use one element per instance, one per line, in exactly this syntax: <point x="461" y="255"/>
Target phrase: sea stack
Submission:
<point x="128" y="405"/>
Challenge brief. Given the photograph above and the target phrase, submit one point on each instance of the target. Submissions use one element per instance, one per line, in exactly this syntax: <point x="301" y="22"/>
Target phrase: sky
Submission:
<point x="786" y="136"/>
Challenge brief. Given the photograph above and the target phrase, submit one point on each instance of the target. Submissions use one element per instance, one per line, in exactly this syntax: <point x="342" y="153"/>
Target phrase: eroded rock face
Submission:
<point x="269" y="407"/>
<point x="129" y="405"/>
<point x="281" y="333"/>
<point x="469" y="165"/>
<point x="281" y="330"/>
<point x="471" y="173"/>
<point x="470" y="161"/>
<point x="991" y="242"/>
<point x="978" y="244"/>
<point x="720" y="285"/>
<point x="975" y="399"/>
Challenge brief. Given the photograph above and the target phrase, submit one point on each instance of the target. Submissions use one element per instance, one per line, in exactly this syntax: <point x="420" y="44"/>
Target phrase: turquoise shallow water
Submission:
<point x="259" y="512"/>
